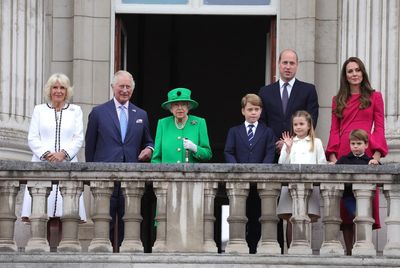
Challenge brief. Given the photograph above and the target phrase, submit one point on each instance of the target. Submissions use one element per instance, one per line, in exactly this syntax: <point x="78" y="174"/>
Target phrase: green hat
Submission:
<point x="179" y="94"/>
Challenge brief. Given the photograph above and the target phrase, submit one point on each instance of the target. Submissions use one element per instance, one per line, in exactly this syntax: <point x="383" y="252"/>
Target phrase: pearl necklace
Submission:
<point x="180" y="125"/>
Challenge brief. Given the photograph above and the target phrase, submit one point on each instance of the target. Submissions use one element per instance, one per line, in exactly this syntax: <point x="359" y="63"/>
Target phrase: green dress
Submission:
<point x="168" y="147"/>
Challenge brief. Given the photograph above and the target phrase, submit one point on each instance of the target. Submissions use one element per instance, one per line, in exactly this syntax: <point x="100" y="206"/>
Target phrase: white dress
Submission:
<point x="54" y="131"/>
<point x="300" y="154"/>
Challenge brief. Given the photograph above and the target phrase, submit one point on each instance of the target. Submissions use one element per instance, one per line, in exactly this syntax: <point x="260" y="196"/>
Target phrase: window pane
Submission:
<point x="237" y="2"/>
<point x="166" y="2"/>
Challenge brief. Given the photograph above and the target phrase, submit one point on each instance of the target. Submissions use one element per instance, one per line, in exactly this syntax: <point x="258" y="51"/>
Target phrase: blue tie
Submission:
<point x="123" y="122"/>
<point x="285" y="97"/>
<point x="250" y="133"/>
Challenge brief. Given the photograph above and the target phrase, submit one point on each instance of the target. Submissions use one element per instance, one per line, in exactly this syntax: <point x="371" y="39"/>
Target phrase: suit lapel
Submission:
<point x="292" y="98"/>
<point x="243" y="134"/>
<point x="259" y="131"/>
<point x="113" y="115"/>
<point x="131" y="120"/>
<point x="277" y="96"/>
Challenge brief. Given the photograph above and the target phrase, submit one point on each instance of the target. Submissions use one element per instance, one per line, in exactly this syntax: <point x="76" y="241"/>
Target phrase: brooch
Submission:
<point x="193" y="122"/>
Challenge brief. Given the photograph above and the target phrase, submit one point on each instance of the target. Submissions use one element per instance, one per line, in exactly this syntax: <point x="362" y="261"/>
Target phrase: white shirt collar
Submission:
<point x="117" y="104"/>
<point x="291" y="82"/>
<point x="308" y="138"/>
<point x="255" y="124"/>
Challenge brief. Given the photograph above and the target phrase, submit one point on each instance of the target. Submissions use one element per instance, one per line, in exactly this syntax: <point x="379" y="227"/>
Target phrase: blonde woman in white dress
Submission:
<point x="55" y="135"/>
<point x="301" y="148"/>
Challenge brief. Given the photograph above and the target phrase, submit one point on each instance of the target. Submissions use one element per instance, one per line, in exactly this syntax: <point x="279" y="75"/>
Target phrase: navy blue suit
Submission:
<point x="302" y="97"/>
<point x="103" y="134"/>
<point x="261" y="150"/>
<point x="104" y="144"/>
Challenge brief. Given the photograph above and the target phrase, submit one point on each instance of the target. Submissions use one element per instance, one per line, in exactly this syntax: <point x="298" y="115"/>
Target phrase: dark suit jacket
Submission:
<point x="302" y="97"/>
<point x="238" y="149"/>
<point x="103" y="134"/>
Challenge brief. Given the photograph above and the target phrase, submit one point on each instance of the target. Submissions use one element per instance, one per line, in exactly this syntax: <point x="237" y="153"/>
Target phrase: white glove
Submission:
<point x="189" y="145"/>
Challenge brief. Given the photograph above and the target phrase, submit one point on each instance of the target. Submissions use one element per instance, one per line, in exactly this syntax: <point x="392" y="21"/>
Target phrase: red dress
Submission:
<point x="371" y="120"/>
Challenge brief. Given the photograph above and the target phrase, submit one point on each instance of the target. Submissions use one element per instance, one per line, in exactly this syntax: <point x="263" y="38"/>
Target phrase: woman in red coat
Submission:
<point x="357" y="106"/>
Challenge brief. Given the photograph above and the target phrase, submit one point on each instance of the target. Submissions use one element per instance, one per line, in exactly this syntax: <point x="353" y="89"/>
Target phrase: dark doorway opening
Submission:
<point x="220" y="58"/>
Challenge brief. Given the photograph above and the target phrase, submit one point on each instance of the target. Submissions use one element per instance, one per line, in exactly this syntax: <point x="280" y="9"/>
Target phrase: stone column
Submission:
<point x="331" y="194"/>
<point x="133" y="192"/>
<point x="39" y="191"/>
<point x="363" y="220"/>
<point x="210" y="190"/>
<point x="268" y="193"/>
<point x="237" y="194"/>
<point x="71" y="191"/>
<point x="161" y="190"/>
<point x="8" y="192"/>
<point x="101" y="191"/>
<point x="392" y="193"/>
<point x="301" y="236"/>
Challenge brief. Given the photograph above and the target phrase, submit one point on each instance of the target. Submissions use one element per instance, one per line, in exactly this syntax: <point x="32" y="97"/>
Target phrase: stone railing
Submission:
<point x="185" y="204"/>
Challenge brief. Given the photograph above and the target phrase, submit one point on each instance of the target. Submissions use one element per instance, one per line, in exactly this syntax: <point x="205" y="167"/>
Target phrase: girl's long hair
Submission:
<point x="344" y="90"/>
<point x="309" y="120"/>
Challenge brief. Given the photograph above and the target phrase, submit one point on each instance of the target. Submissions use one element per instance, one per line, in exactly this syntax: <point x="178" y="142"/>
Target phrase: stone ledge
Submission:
<point x="187" y="260"/>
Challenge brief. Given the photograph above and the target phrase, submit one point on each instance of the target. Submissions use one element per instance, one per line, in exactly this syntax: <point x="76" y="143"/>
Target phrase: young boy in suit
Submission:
<point x="358" y="145"/>
<point x="251" y="142"/>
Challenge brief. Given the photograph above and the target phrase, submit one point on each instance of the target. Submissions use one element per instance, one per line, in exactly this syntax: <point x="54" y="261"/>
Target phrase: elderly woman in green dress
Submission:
<point x="181" y="137"/>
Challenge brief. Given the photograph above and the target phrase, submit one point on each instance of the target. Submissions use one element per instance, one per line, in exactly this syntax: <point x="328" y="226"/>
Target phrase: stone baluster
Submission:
<point x="39" y="191"/>
<point x="133" y="192"/>
<point x="210" y="190"/>
<point x="161" y="190"/>
<point x="363" y="220"/>
<point x="331" y="194"/>
<point x="301" y="230"/>
<point x="8" y="192"/>
<point x="268" y="193"/>
<point x="70" y="191"/>
<point x="101" y="191"/>
<point x="392" y="193"/>
<point x="237" y="195"/>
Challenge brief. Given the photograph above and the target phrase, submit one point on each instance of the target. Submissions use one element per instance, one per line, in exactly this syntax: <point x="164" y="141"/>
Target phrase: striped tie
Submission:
<point x="250" y="133"/>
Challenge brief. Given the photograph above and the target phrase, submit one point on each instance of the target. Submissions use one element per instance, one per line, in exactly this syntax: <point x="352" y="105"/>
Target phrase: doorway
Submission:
<point x="220" y="58"/>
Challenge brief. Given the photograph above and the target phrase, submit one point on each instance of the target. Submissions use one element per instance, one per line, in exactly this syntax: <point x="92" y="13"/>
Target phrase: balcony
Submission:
<point x="185" y="214"/>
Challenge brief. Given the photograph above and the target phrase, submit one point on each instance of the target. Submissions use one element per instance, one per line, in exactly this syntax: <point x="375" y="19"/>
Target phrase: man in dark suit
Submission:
<point x="282" y="99"/>
<point x="118" y="131"/>
<point x="251" y="142"/>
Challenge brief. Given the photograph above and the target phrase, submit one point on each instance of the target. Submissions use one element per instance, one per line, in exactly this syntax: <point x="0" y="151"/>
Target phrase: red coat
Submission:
<point x="371" y="120"/>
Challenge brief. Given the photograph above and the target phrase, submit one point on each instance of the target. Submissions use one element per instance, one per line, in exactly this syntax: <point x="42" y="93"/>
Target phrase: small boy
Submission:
<point x="251" y="142"/>
<point x="358" y="145"/>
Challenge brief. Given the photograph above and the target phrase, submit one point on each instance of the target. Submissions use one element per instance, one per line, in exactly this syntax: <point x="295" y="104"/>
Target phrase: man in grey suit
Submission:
<point x="118" y="131"/>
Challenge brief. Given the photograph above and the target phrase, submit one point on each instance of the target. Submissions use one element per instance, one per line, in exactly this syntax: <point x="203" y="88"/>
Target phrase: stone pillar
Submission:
<point x="392" y="193"/>
<point x="237" y="194"/>
<point x="39" y="191"/>
<point x="268" y="193"/>
<point x="301" y="236"/>
<point x="160" y="190"/>
<point x="363" y="220"/>
<point x="8" y="192"/>
<point x="71" y="191"/>
<point x="101" y="191"/>
<point x="133" y="192"/>
<point x="331" y="194"/>
<point x="210" y="190"/>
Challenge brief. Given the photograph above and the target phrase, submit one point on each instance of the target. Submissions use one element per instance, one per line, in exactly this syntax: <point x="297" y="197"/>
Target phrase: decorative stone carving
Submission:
<point x="8" y="192"/>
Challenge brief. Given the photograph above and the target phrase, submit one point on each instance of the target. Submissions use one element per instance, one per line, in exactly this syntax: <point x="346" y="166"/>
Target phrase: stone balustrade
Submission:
<point x="185" y="204"/>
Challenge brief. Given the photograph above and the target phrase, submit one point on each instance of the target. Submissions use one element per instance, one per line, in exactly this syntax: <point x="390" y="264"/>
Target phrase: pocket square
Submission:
<point x="139" y="121"/>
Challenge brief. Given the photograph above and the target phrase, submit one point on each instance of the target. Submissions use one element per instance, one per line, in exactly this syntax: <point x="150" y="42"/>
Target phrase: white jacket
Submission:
<point x="300" y="152"/>
<point x="51" y="131"/>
